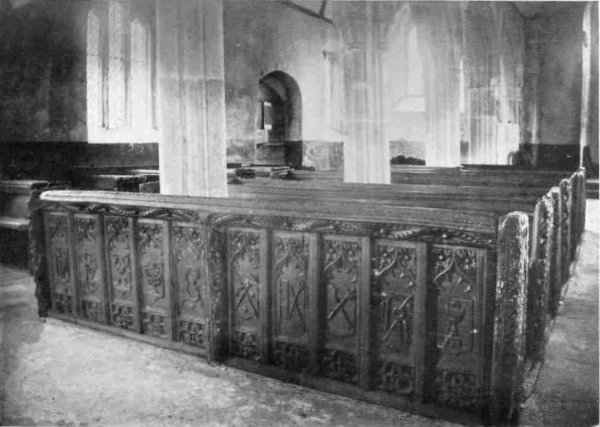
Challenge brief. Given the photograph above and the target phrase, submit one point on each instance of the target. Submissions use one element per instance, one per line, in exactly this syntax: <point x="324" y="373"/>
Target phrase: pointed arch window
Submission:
<point x="412" y="85"/>
<point x="94" y="72"/>
<point x="121" y="72"/>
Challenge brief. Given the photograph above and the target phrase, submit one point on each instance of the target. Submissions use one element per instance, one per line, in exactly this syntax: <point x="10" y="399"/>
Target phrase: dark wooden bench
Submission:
<point x="113" y="178"/>
<point x="17" y="199"/>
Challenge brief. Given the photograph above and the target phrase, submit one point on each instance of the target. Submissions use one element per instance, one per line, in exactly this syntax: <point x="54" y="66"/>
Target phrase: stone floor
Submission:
<point x="55" y="373"/>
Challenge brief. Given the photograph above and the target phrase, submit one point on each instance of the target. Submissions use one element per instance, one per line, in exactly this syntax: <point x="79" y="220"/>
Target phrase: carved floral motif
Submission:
<point x="151" y="258"/>
<point x="188" y="247"/>
<point x="394" y="377"/>
<point x="154" y="324"/>
<point x="122" y="316"/>
<point x="60" y="264"/>
<point x="192" y="333"/>
<point x="457" y="389"/>
<point x="86" y="232"/>
<point x="245" y="344"/>
<point x="217" y="285"/>
<point x="291" y="357"/>
<point x="339" y="365"/>
<point x="63" y="302"/>
<point x="119" y="236"/>
<point x="93" y="311"/>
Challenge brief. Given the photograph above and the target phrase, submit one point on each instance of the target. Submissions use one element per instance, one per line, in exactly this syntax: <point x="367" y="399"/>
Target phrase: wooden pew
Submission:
<point x="407" y="264"/>
<point x="113" y="178"/>
<point x="397" y="302"/>
<point x="17" y="199"/>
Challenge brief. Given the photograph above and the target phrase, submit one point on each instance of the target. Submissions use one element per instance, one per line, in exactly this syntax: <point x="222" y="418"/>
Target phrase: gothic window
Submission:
<point x="116" y="66"/>
<point x="141" y="78"/>
<point x="410" y="95"/>
<point x="120" y="73"/>
<point x="94" y="72"/>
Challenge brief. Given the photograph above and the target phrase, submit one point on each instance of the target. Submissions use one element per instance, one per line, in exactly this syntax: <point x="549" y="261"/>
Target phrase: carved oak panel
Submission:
<point x="247" y="283"/>
<point x="290" y="302"/>
<point x="458" y="280"/>
<point x="341" y="275"/>
<point x="191" y="281"/>
<point x="565" y="220"/>
<point x="60" y="263"/>
<point x="122" y="280"/>
<point x="154" y="276"/>
<point x="90" y="264"/>
<point x="395" y="301"/>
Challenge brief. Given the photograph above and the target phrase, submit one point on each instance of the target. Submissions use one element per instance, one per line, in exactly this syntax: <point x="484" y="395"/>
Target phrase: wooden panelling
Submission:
<point x="154" y="278"/>
<point x="61" y="263"/>
<point x="457" y="281"/>
<point x="122" y="273"/>
<point x="423" y="308"/>
<point x="342" y="277"/>
<point x="293" y="300"/>
<point x="247" y="267"/>
<point x="90" y="267"/>
<point x="190" y="283"/>
<point x="398" y="311"/>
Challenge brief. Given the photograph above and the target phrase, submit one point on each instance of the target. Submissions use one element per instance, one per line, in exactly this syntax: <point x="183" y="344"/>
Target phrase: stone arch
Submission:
<point x="283" y="92"/>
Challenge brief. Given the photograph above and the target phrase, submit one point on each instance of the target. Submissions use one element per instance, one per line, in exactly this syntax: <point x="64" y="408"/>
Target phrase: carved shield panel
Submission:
<point x="60" y="262"/>
<point x="247" y="282"/>
<point x="189" y="258"/>
<point x="396" y="300"/>
<point x="290" y="301"/>
<point x="154" y="279"/>
<point x="458" y="283"/>
<point x="121" y="272"/>
<point x="341" y="275"/>
<point x="90" y="262"/>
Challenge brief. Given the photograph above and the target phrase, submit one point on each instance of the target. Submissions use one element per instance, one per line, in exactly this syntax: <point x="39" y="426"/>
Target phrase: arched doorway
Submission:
<point x="280" y="119"/>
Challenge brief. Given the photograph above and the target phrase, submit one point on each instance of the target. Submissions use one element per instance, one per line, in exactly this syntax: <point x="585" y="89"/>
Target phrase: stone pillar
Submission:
<point x="192" y="147"/>
<point x="531" y="96"/>
<point x="366" y="151"/>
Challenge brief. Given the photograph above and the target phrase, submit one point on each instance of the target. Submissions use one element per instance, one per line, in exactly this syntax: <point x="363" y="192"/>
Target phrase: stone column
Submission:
<point x="192" y="147"/>
<point x="366" y="151"/>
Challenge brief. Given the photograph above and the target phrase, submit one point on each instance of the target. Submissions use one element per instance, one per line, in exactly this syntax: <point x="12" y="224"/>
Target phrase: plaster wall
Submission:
<point x="43" y="107"/>
<point x="560" y="74"/>
<point x="42" y="69"/>
<point x="261" y="37"/>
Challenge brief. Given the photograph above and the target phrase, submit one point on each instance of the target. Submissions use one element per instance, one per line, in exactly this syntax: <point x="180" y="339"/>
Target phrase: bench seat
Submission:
<point x="14" y="223"/>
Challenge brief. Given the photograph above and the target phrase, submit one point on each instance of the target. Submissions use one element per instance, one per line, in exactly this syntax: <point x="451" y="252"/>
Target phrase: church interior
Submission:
<point x="252" y="212"/>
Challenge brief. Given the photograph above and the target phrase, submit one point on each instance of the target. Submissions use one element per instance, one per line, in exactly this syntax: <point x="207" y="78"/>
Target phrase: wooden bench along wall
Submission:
<point x="424" y="308"/>
<point x="17" y="199"/>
